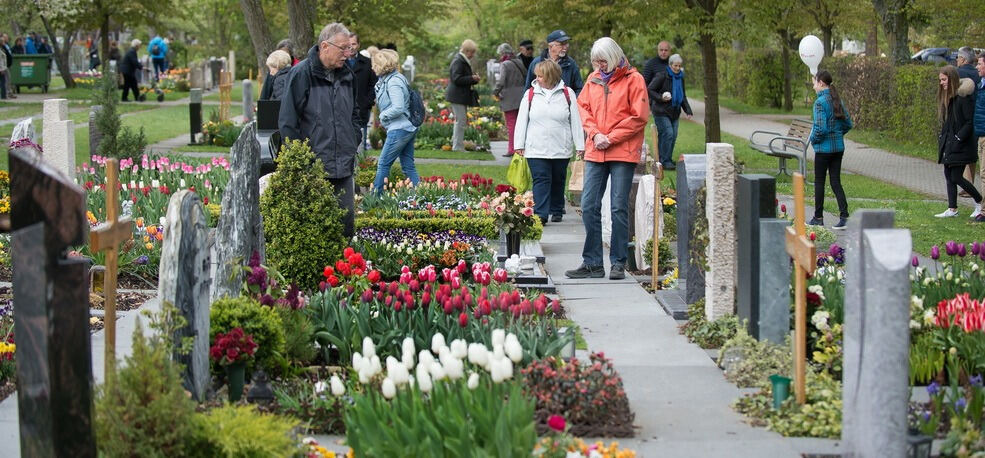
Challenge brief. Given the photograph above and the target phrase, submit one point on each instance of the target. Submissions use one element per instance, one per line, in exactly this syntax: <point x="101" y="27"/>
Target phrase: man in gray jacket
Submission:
<point x="319" y="106"/>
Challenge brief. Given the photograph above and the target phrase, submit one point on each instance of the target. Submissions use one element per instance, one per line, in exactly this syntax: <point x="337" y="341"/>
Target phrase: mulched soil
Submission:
<point x="124" y="301"/>
<point x="125" y="281"/>
<point x="6" y="273"/>
<point x="620" y="424"/>
<point x="96" y="325"/>
<point x="6" y="388"/>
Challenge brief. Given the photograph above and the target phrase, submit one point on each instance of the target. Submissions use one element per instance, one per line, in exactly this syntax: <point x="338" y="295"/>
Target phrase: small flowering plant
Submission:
<point x="264" y="284"/>
<point x="232" y="347"/>
<point x="513" y="212"/>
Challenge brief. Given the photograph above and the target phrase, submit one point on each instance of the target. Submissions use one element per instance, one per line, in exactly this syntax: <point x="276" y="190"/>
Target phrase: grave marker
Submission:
<point x="690" y="180"/>
<point x="240" y="231"/>
<point x="231" y="63"/>
<point x="107" y="237"/>
<point x="95" y="136"/>
<point x="195" y="113"/>
<point x="755" y="199"/>
<point x="24" y="129"/>
<point x="51" y="315"/>
<point x="801" y="249"/>
<point x="247" y="100"/>
<point x="184" y="282"/>
<point x="225" y="91"/>
<point x="773" y="305"/>
<point x="58" y="134"/>
<point x="720" y="278"/>
<point x="657" y="219"/>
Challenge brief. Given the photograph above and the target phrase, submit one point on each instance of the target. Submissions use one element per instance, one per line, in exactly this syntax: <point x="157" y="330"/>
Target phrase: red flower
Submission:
<point x="556" y="422"/>
<point x="813" y="299"/>
<point x="463" y="319"/>
<point x="813" y="236"/>
<point x="205" y="200"/>
<point x="328" y="271"/>
<point x="333" y="280"/>
<point x="232" y="353"/>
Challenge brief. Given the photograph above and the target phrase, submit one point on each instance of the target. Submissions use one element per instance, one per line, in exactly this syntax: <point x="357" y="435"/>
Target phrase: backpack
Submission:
<point x="156" y="49"/>
<point x="416" y="112"/>
<point x="530" y="100"/>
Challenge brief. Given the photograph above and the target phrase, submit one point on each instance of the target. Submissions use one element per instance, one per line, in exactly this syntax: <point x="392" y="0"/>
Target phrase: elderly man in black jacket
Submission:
<point x="129" y="68"/>
<point x="365" y="78"/>
<point x="460" y="93"/>
<point x="319" y="105"/>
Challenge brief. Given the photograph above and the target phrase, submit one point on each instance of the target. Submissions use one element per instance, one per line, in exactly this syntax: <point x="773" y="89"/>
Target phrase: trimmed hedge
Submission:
<point x="421" y="221"/>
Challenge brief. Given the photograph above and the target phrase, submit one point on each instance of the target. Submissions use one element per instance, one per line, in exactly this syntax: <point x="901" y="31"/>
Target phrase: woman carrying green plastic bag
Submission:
<point x="518" y="175"/>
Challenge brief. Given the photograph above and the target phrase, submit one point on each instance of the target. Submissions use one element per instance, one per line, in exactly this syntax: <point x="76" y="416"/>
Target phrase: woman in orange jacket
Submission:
<point x="614" y="110"/>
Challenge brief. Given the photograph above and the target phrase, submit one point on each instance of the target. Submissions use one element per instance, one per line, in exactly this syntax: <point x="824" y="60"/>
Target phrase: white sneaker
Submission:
<point x="978" y="210"/>
<point x="947" y="214"/>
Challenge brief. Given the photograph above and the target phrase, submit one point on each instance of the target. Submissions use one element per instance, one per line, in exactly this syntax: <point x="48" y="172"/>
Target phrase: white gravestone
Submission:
<point x="720" y="210"/>
<point x="231" y="63"/>
<point x="644" y="218"/>
<point x="58" y="134"/>
<point x="24" y="129"/>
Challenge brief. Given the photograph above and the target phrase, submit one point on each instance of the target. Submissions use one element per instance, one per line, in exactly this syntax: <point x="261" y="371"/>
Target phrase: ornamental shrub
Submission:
<point x="422" y="222"/>
<point x="243" y="431"/>
<point x="302" y="219"/>
<point x="263" y="323"/>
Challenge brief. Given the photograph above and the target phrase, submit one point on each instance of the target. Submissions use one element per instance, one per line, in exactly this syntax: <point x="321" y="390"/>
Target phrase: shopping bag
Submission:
<point x="577" y="180"/>
<point x="518" y="174"/>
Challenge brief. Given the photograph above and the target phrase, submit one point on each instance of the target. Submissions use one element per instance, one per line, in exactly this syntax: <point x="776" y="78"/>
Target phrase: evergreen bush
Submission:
<point x="263" y="323"/>
<point x="242" y="431"/>
<point x="301" y="217"/>
<point x="116" y="141"/>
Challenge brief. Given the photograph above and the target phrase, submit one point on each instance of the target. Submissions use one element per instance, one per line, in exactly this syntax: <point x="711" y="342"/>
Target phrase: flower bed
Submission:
<point x="418" y="249"/>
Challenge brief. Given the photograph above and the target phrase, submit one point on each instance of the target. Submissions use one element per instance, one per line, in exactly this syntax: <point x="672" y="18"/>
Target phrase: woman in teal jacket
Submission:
<point x="831" y="123"/>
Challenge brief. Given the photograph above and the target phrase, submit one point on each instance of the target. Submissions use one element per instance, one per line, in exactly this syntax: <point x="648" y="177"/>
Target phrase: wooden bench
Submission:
<point x="793" y="145"/>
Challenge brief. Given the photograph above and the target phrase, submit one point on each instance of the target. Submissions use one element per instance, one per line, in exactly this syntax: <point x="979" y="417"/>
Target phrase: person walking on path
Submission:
<point x="557" y="50"/>
<point x="657" y="64"/>
<point x="956" y="143"/>
<point x="93" y="56"/>
<point x="8" y="57"/>
<point x="548" y="128"/>
<point x="114" y="52"/>
<point x="319" y="106"/>
<point x="460" y="93"/>
<point x="614" y="109"/>
<point x="831" y="123"/>
<point x="966" y="69"/>
<point x="129" y="68"/>
<point x="509" y="90"/>
<point x="667" y="98"/>
<point x="158" y="50"/>
<point x="526" y="50"/>
<point x="279" y="66"/>
<point x="393" y="98"/>
<point x="3" y="78"/>
<point x="980" y="122"/>
<point x="365" y="79"/>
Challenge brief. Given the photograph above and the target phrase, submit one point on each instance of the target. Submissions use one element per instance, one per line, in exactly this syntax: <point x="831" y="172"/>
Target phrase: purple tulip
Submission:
<point x="935" y="252"/>
<point x="951" y="247"/>
<point x="933" y="388"/>
<point x="975" y="248"/>
<point x="915" y="261"/>
<point x="960" y="403"/>
<point x="962" y="251"/>
<point x="834" y="250"/>
<point x="976" y="380"/>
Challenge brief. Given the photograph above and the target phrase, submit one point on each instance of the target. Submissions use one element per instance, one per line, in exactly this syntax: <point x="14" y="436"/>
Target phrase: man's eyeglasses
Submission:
<point x="345" y="49"/>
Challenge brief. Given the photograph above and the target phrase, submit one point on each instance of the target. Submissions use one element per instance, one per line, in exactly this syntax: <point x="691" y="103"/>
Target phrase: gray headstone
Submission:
<point x="770" y="314"/>
<point x="51" y="312"/>
<point x="231" y="63"/>
<point x="755" y="199"/>
<point x="690" y="180"/>
<point x="409" y="68"/>
<point x="854" y="296"/>
<point x="184" y="282"/>
<point x="94" y="135"/>
<point x="195" y="96"/>
<point x="240" y="231"/>
<point x="247" y="99"/>
<point x="24" y="129"/>
<point x="58" y="134"/>
<point x="720" y="212"/>
<point x="880" y="390"/>
<point x="196" y="77"/>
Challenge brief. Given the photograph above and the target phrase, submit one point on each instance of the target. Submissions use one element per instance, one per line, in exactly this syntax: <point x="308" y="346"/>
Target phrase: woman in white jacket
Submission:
<point x="548" y="128"/>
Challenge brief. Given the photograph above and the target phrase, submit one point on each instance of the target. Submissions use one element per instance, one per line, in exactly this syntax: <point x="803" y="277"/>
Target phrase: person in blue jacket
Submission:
<point x="158" y="50"/>
<point x="30" y="45"/>
<point x="980" y="122"/>
<point x="831" y="123"/>
<point x="557" y="50"/>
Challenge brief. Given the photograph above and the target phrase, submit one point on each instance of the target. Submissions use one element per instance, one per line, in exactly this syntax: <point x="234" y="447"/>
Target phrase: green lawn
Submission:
<point x="439" y="154"/>
<point x="202" y="149"/>
<point x="877" y="139"/>
<point x="739" y="106"/>
<point x="236" y="94"/>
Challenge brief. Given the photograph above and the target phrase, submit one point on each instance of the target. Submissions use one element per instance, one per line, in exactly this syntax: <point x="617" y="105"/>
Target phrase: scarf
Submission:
<point x="606" y="75"/>
<point x="677" y="88"/>
<point x="506" y="57"/>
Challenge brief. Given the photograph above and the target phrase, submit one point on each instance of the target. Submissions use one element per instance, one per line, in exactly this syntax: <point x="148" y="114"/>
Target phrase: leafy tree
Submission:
<point x="895" y="16"/>
<point x="705" y="11"/>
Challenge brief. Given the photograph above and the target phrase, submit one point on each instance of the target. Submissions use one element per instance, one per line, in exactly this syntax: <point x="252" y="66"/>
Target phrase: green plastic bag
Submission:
<point x="518" y="175"/>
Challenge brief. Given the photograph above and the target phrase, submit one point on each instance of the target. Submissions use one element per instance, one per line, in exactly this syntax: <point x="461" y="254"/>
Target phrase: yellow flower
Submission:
<point x="669" y="201"/>
<point x="6" y="348"/>
<point x="149" y="246"/>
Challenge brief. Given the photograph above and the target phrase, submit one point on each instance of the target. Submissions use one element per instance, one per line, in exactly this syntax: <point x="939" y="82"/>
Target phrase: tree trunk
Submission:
<point x="872" y="40"/>
<point x="787" y="74"/>
<point x="61" y="55"/>
<point x="709" y="55"/>
<point x="896" y="24"/>
<point x="256" y="24"/>
<point x="827" y="33"/>
<point x="104" y="37"/>
<point x="301" y="13"/>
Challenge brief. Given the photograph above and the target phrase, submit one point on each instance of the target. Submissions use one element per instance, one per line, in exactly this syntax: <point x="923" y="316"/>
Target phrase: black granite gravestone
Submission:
<point x="51" y="309"/>
<point x="755" y="199"/>
<point x="690" y="179"/>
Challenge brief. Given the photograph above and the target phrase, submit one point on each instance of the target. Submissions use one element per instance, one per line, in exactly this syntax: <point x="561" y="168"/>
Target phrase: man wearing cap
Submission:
<point x="557" y="50"/>
<point x="526" y="52"/>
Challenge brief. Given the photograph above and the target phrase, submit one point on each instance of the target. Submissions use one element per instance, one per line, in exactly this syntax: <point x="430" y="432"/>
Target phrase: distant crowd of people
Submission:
<point x="33" y="43"/>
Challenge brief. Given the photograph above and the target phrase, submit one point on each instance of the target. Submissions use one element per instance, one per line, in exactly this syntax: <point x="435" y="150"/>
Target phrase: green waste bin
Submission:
<point x="31" y="70"/>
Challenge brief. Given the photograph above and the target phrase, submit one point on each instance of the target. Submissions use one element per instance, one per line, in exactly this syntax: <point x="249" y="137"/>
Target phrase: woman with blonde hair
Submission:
<point x="614" y="109"/>
<point x="279" y="65"/>
<point x="548" y="128"/>
<point x="393" y="100"/>
<point x="460" y="94"/>
<point x="956" y="144"/>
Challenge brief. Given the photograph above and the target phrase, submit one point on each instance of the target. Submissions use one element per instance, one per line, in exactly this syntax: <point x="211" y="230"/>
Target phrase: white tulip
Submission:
<point x="400" y="374"/>
<point x="498" y="352"/>
<point x="459" y="348"/>
<point x="391" y="363"/>
<point x="444" y="354"/>
<point x="495" y="371"/>
<point x="473" y="381"/>
<point x="507" y="368"/>
<point x="368" y="348"/>
<point x="364" y="375"/>
<point x="357" y="361"/>
<point x="498" y="337"/>
<point x="408" y="346"/>
<point x="455" y="369"/>
<point x="425" y="358"/>
<point x="423" y="379"/>
<point x="514" y="350"/>
<point x="320" y="387"/>
<point x="478" y="354"/>
<point x="408" y="360"/>
<point x="437" y="341"/>
<point x="389" y="389"/>
<point x="438" y="371"/>
<point x="338" y="389"/>
<point x="374" y="366"/>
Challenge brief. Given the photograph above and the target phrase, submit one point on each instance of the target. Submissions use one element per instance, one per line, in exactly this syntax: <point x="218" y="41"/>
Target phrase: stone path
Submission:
<point x="909" y="172"/>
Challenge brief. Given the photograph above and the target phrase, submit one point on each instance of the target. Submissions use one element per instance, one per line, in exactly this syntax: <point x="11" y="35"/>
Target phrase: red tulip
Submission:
<point x="426" y="299"/>
<point x="463" y="319"/>
<point x="556" y="422"/>
<point x="374" y="276"/>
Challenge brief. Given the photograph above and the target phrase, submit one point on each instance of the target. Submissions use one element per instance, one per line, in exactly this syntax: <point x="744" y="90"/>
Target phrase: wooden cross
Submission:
<point x="801" y="249"/>
<point x="107" y="237"/>
<point x="225" y="91"/>
<point x="657" y="208"/>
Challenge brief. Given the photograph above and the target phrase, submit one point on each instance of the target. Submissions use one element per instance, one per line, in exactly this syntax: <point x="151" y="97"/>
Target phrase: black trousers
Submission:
<point x="345" y="191"/>
<point x="954" y="177"/>
<point x="828" y="164"/>
<point x="130" y="82"/>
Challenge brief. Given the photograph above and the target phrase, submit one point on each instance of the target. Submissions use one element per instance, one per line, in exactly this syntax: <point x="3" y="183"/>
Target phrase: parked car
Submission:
<point x="937" y="56"/>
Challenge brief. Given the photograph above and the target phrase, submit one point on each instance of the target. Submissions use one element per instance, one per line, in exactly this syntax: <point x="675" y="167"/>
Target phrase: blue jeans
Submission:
<point x="398" y="144"/>
<point x="160" y="66"/>
<point x="548" y="180"/>
<point x="666" y="137"/>
<point x="596" y="174"/>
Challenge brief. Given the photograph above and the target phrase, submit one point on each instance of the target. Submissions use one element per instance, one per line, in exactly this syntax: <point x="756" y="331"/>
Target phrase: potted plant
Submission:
<point x="514" y="213"/>
<point x="233" y="350"/>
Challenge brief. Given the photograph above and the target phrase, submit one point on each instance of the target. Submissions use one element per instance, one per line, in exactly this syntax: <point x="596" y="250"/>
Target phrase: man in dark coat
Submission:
<point x="526" y="52"/>
<point x="129" y="68"/>
<point x="966" y="69"/>
<point x="319" y="105"/>
<point x="365" y="79"/>
<point x="664" y="125"/>
<point x="460" y="94"/>
<point x="8" y="55"/>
